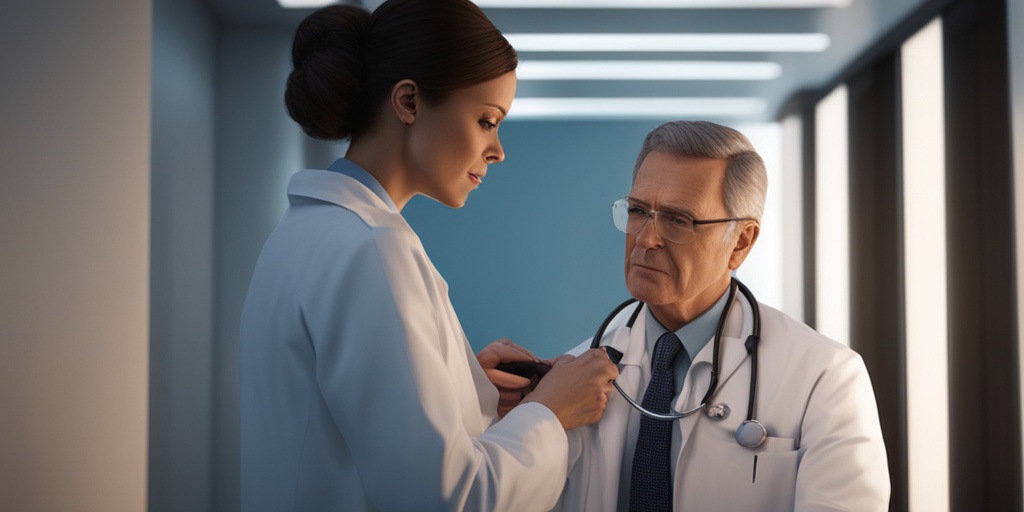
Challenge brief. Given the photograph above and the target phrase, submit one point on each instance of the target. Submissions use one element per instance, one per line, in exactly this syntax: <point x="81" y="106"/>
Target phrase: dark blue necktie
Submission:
<point x="650" y="487"/>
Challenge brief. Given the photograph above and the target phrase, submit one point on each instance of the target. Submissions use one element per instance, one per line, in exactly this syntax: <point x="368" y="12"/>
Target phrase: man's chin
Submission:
<point x="646" y="291"/>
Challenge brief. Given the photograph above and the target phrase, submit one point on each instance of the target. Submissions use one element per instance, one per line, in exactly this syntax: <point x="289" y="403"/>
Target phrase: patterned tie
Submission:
<point x="651" y="483"/>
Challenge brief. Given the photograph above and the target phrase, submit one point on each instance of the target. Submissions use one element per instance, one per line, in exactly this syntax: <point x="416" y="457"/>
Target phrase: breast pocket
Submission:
<point x="725" y="476"/>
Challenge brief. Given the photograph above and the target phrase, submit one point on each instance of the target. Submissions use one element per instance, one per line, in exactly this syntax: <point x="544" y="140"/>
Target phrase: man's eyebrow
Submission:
<point x="665" y="208"/>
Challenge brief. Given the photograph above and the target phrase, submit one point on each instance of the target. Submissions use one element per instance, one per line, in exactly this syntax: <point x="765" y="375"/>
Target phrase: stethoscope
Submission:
<point x="751" y="433"/>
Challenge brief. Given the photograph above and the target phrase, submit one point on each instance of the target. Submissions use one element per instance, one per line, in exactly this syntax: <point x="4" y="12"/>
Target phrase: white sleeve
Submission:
<point x="384" y="378"/>
<point x="843" y="465"/>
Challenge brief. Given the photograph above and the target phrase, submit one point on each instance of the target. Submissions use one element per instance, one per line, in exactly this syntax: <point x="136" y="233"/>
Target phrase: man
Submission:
<point x="691" y="218"/>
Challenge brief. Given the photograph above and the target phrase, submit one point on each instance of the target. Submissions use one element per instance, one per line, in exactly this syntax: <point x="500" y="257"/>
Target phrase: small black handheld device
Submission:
<point x="528" y="369"/>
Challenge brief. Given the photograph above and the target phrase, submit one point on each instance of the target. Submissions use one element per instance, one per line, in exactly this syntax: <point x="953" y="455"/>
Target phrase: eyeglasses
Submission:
<point x="674" y="226"/>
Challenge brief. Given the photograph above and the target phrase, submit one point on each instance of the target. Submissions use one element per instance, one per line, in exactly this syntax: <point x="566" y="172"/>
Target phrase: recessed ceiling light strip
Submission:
<point x="617" y="4"/>
<point x="645" y="70"/>
<point x="662" y="4"/>
<point x="304" y="4"/>
<point x="635" y="108"/>
<point x="669" y="42"/>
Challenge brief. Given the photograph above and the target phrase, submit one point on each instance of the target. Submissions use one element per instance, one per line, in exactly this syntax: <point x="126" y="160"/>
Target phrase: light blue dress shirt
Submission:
<point x="694" y="336"/>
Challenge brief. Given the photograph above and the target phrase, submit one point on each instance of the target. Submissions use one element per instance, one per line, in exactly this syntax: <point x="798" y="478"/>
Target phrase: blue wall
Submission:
<point x="182" y="312"/>
<point x="533" y="256"/>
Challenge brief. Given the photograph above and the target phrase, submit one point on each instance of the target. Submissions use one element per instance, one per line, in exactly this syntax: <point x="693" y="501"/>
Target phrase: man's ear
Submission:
<point x="744" y="243"/>
<point x="405" y="96"/>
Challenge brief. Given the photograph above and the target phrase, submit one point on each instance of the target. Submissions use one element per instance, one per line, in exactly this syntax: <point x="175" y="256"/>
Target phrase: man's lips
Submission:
<point x="645" y="267"/>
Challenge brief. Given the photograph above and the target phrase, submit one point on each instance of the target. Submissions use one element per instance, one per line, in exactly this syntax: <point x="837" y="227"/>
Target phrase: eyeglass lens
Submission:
<point x="673" y="226"/>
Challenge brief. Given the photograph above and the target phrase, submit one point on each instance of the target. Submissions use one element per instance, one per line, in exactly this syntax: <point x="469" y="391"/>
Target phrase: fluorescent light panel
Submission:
<point x="645" y="70"/>
<point x="814" y="42"/>
<point x="633" y="108"/>
<point x="662" y="4"/>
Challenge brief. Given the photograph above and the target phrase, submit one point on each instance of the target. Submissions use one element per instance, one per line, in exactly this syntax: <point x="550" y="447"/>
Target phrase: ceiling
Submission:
<point x="851" y="30"/>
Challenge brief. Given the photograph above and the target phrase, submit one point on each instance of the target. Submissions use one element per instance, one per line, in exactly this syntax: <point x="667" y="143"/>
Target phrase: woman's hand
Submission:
<point x="511" y="388"/>
<point x="576" y="390"/>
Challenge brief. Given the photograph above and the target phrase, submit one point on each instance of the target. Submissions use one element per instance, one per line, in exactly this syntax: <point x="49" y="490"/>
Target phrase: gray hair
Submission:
<point x="746" y="180"/>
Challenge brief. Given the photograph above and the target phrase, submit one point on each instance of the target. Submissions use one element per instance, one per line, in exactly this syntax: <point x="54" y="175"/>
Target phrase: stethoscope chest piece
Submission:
<point x="751" y="434"/>
<point x="717" y="412"/>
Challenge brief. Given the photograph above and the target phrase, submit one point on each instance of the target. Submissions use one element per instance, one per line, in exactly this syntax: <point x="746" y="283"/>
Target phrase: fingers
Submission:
<point x="598" y="359"/>
<point x="505" y="380"/>
<point x="503" y="351"/>
<point x="508" y="400"/>
<point x="509" y="351"/>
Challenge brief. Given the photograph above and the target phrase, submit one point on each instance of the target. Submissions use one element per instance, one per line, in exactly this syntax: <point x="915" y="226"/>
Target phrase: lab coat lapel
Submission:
<point x="630" y="343"/>
<point x="612" y="427"/>
<point x="731" y="355"/>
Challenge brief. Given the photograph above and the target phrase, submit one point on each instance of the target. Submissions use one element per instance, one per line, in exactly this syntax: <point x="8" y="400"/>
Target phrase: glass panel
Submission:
<point x="832" y="217"/>
<point x="924" y="211"/>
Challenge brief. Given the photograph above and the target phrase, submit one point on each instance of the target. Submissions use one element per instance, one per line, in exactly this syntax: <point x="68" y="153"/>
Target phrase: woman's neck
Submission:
<point x="382" y="157"/>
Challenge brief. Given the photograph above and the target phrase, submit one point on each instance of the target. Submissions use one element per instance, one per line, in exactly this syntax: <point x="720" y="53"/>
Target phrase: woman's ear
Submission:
<point x="405" y="95"/>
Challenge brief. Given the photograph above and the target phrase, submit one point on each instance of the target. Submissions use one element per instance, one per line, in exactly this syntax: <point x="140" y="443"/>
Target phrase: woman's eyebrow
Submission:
<point x="499" y="107"/>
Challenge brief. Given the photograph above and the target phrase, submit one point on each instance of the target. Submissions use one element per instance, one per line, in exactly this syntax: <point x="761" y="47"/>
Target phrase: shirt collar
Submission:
<point x="352" y="170"/>
<point x="694" y="335"/>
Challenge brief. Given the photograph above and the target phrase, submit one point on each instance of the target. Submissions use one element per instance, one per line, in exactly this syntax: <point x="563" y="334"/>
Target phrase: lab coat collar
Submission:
<point x="353" y="170"/>
<point x="631" y="342"/>
<point x="347" y="192"/>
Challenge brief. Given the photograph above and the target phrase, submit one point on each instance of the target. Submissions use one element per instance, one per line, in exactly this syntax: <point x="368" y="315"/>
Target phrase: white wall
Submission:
<point x="74" y="261"/>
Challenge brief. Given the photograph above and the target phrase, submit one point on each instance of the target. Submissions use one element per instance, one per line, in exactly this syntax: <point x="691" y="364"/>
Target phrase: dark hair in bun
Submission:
<point x="346" y="60"/>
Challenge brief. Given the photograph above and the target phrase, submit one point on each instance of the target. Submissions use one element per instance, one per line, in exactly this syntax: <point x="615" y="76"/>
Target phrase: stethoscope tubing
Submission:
<point x="751" y="346"/>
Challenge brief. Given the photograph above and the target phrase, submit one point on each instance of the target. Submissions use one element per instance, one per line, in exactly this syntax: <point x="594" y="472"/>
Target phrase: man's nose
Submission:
<point x="648" y="235"/>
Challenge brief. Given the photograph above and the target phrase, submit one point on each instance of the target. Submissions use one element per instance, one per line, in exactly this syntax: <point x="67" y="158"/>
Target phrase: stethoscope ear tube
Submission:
<point x="596" y="341"/>
<point x="713" y="386"/>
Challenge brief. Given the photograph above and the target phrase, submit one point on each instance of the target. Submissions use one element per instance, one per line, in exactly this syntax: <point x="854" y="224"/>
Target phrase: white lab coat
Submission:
<point x="824" y="451"/>
<point x="359" y="390"/>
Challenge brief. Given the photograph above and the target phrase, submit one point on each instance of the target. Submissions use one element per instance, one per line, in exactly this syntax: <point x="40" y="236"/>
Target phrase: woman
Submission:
<point x="359" y="390"/>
